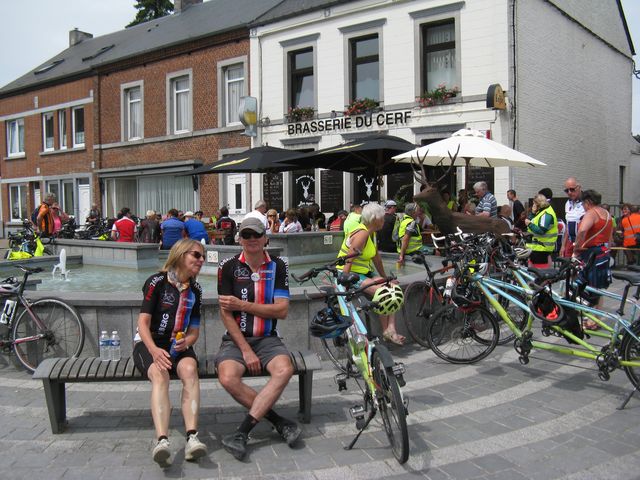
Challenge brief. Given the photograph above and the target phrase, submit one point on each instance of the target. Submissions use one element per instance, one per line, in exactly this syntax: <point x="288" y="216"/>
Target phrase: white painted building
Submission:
<point x="565" y="66"/>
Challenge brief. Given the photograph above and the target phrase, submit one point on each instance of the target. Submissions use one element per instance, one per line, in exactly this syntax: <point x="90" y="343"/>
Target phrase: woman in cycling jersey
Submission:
<point x="362" y="238"/>
<point x="170" y="309"/>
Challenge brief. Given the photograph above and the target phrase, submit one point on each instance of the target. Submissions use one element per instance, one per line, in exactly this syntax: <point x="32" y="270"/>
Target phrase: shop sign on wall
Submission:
<point x="342" y="124"/>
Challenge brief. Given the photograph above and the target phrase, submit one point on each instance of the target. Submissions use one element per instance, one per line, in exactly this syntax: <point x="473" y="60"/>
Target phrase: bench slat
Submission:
<point x="77" y="366"/>
<point x="57" y="369"/>
<point x="100" y="371"/>
<point x="87" y="368"/>
<point x="64" y="373"/>
<point x="129" y="368"/>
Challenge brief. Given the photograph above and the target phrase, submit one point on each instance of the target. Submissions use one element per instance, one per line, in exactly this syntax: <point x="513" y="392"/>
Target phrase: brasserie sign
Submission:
<point x="380" y="119"/>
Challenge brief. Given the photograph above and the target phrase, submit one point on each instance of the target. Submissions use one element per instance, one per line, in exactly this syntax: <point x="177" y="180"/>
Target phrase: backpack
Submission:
<point x="34" y="215"/>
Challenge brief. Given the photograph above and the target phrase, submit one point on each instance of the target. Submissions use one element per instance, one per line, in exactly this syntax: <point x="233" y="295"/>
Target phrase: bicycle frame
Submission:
<point x="488" y="286"/>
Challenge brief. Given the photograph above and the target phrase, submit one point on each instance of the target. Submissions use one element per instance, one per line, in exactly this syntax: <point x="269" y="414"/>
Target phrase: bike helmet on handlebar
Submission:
<point x="388" y="299"/>
<point x="328" y="324"/>
<point x="544" y="308"/>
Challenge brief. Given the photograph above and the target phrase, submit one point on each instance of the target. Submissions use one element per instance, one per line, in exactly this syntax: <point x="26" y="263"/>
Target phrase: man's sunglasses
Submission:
<point x="570" y="189"/>
<point x="196" y="254"/>
<point x="247" y="235"/>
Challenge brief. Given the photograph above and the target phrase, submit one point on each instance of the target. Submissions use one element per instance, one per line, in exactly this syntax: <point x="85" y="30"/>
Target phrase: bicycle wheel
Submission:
<point x="630" y="351"/>
<point x="391" y="407"/>
<point x="464" y="336"/>
<point x="419" y="303"/>
<point x="338" y="351"/>
<point x="63" y="334"/>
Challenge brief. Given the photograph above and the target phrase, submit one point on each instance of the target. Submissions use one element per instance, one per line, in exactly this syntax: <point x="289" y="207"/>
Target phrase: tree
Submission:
<point x="150" y="10"/>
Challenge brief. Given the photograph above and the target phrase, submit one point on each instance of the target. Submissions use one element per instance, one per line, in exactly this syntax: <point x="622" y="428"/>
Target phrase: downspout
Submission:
<point x="97" y="156"/>
<point x="515" y="74"/>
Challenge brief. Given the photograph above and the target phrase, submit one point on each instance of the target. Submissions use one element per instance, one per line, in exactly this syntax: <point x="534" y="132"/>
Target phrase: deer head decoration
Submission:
<point x="446" y="220"/>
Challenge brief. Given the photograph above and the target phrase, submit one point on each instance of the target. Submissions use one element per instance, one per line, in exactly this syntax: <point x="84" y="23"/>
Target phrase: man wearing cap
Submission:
<point x="195" y="228"/>
<point x="253" y="293"/>
<point x="385" y="235"/>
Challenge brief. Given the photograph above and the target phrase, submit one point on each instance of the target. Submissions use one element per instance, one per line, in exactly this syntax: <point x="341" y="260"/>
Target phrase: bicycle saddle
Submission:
<point x="632" y="277"/>
<point x="544" y="274"/>
<point x="349" y="279"/>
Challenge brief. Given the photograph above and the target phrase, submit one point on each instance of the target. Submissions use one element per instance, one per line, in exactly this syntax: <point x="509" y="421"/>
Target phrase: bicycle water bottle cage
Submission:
<point x="348" y="279"/>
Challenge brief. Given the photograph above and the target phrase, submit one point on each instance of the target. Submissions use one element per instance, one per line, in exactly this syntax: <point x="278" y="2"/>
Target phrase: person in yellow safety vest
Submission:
<point x="630" y="225"/>
<point x="409" y="234"/>
<point x="352" y="220"/>
<point x="363" y="239"/>
<point x="543" y="224"/>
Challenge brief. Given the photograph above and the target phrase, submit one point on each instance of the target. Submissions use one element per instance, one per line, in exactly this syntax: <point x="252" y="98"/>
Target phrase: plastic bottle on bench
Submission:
<point x="105" y="346"/>
<point x="115" y="346"/>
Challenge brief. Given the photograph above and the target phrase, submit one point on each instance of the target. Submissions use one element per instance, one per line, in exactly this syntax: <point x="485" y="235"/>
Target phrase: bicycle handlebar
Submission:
<point x="329" y="267"/>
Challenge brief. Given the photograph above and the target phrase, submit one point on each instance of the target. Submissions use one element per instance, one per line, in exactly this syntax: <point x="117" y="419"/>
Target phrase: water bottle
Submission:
<point x="172" y="352"/>
<point x="105" y="345"/>
<point x="7" y="311"/>
<point x="115" y="346"/>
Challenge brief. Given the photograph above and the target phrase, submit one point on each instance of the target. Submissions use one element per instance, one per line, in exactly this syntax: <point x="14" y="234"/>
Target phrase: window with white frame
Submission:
<point x="301" y="81"/>
<point x="133" y="114"/>
<point x="62" y="128"/>
<point x="15" y="137"/>
<point x="18" y="202"/>
<point x="180" y="104"/>
<point x="439" y="55"/>
<point x="47" y="131"/>
<point x="233" y="90"/>
<point x="78" y="127"/>
<point x="365" y="67"/>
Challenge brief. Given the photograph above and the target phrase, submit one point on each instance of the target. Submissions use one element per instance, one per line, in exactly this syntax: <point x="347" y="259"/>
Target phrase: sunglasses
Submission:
<point x="570" y="189"/>
<point x="250" y="234"/>
<point x="195" y="254"/>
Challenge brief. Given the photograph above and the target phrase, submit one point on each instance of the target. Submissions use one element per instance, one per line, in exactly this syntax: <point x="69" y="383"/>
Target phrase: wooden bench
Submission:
<point x="55" y="373"/>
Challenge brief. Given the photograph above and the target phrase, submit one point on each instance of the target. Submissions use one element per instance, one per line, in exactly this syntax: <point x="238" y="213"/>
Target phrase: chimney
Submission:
<point x="76" y="36"/>
<point x="182" y="5"/>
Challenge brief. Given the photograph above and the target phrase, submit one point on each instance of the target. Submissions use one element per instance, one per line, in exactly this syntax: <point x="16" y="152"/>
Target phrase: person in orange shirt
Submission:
<point x="630" y="225"/>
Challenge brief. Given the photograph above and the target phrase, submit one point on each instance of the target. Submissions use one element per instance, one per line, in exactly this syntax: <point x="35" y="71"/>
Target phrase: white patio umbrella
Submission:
<point x="468" y="148"/>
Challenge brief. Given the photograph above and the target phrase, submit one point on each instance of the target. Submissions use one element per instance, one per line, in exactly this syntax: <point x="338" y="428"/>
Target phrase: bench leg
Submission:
<point x="55" y="396"/>
<point x="305" y="385"/>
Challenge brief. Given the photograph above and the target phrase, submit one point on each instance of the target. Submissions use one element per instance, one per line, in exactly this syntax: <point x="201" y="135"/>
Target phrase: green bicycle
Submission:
<point x="343" y="329"/>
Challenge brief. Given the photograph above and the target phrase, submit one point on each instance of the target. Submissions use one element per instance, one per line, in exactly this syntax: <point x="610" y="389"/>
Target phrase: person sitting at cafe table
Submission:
<point x="291" y="223"/>
<point x="274" y="222"/>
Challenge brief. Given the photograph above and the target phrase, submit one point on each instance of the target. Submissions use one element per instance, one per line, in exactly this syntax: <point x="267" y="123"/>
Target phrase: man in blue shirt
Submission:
<point x="487" y="205"/>
<point x="172" y="230"/>
<point x="195" y="228"/>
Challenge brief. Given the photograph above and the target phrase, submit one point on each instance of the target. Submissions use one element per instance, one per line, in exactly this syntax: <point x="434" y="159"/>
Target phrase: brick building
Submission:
<point x="116" y="119"/>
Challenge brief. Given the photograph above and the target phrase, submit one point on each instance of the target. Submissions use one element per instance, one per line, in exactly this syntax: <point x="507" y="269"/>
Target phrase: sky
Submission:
<point x="35" y="30"/>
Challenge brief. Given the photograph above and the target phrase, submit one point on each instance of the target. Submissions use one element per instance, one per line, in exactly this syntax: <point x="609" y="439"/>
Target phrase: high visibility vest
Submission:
<point x="415" y="240"/>
<point x="545" y="242"/>
<point x="362" y="263"/>
<point x="350" y="223"/>
<point x="631" y="226"/>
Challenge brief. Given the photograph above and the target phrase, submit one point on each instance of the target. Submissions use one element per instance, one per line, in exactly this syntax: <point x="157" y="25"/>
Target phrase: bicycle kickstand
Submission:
<point x="362" y="429"/>
<point x="626" y="400"/>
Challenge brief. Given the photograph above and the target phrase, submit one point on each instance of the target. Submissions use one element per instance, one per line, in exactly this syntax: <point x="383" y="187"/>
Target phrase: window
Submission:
<point x="47" y="131"/>
<point x="180" y="104"/>
<point x="133" y="113"/>
<point x="301" y="78"/>
<point x="62" y="128"/>
<point x="439" y="55"/>
<point x="18" y="202"/>
<point x="78" y="127"/>
<point x="15" y="137"/>
<point x="234" y="89"/>
<point x="365" y="67"/>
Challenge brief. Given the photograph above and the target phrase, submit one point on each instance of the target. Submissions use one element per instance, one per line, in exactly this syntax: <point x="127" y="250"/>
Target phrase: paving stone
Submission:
<point x="462" y="470"/>
<point x="493" y="463"/>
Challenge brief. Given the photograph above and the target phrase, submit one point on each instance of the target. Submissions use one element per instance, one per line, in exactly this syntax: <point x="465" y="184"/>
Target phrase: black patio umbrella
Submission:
<point x="368" y="155"/>
<point x="263" y="159"/>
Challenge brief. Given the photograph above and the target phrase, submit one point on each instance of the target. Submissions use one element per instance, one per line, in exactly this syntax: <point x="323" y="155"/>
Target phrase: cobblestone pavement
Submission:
<point x="493" y="420"/>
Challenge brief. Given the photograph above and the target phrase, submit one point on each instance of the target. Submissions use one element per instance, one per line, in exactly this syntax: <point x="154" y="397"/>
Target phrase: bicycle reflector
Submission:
<point x="544" y="308"/>
<point x="328" y="324"/>
<point x="389" y="299"/>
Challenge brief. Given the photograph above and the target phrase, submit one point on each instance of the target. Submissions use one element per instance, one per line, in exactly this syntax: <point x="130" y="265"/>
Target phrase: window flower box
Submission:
<point x="437" y="96"/>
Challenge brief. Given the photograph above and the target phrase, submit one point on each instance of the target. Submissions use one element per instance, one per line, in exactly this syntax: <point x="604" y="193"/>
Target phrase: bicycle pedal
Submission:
<point x="341" y="381"/>
<point x="357" y="412"/>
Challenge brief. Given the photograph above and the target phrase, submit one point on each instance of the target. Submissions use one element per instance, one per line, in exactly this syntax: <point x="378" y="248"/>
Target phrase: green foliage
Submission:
<point x="150" y="10"/>
<point x="300" y="114"/>
<point x="362" y="105"/>
<point x="440" y="94"/>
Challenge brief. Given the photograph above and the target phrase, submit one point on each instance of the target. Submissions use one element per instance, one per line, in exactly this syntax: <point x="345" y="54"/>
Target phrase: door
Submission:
<point x="84" y="203"/>
<point x="237" y="194"/>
